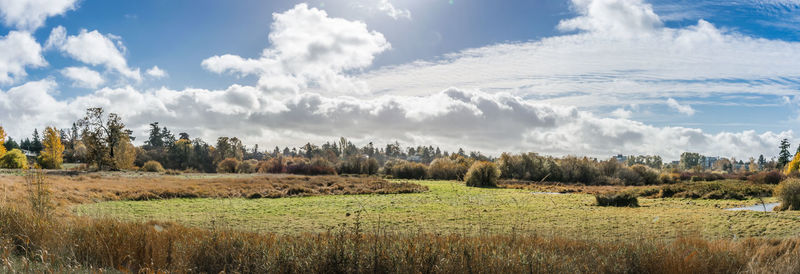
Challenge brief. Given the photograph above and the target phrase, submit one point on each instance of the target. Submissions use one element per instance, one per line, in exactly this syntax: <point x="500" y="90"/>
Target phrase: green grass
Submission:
<point x="452" y="207"/>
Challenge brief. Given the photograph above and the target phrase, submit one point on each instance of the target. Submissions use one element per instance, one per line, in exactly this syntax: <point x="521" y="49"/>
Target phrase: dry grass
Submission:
<point x="70" y="190"/>
<point x="83" y="243"/>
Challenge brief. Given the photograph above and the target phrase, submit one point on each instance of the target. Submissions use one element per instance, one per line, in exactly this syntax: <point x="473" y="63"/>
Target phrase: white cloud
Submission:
<point x="685" y="109"/>
<point x="18" y="50"/>
<point x="490" y="122"/>
<point x="83" y="77"/>
<point x="620" y="55"/>
<point x="93" y="48"/>
<point x="29" y="15"/>
<point x="392" y="11"/>
<point x="622" y="113"/>
<point x="156" y="72"/>
<point x="309" y="51"/>
<point x="623" y="18"/>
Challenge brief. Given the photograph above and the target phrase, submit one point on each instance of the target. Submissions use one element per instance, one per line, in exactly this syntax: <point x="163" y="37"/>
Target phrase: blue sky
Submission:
<point x="647" y="76"/>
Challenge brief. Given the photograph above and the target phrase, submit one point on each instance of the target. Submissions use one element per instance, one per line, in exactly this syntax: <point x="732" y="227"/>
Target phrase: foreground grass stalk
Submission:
<point x="135" y="246"/>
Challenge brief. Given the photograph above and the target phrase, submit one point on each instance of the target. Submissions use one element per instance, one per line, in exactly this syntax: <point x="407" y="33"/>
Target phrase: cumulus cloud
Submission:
<point x="156" y="72"/>
<point x="620" y="54"/>
<point x="18" y="51"/>
<point x="491" y="122"/>
<point x="29" y="15"/>
<point x="309" y="50"/>
<point x="392" y="11"/>
<point x="93" y="48"/>
<point x="83" y="77"/>
<point x="623" y="18"/>
<point x="685" y="109"/>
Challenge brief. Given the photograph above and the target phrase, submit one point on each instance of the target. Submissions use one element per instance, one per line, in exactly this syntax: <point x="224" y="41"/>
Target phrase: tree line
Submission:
<point x="102" y="142"/>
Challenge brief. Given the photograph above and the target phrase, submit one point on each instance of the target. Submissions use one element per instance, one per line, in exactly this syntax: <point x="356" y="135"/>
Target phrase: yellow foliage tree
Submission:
<point x="52" y="154"/>
<point x="793" y="166"/>
<point x="124" y="154"/>
<point x="2" y="141"/>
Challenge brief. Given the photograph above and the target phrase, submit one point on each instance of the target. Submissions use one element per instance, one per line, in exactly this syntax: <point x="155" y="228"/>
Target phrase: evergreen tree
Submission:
<point x="11" y="144"/>
<point x="784" y="156"/>
<point x="36" y="143"/>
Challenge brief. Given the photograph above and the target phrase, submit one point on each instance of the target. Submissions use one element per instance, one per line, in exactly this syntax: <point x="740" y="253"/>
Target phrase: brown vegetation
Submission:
<point x="94" y="187"/>
<point x="157" y="246"/>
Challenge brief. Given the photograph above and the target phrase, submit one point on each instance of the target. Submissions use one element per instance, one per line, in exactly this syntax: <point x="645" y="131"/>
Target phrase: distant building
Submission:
<point x="709" y="162"/>
<point x="620" y="158"/>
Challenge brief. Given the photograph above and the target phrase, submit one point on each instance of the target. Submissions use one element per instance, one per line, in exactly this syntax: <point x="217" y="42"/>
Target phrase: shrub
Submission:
<point x="767" y="177"/>
<point x="668" y="178"/>
<point x="649" y="175"/>
<point x="317" y="166"/>
<point x="482" y="174"/>
<point x="228" y="165"/>
<point x="14" y="159"/>
<point x="788" y="192"/>
<point x="402" y="169"/>
<point x="446" y="169"/>
<point x="581" y="170"/>
<point x="247" y="166"/>
<point x="629" y="176"/>
<point x="152" y="166"/>
<point x="274" y="165"/>
<point x="621" y="199"/>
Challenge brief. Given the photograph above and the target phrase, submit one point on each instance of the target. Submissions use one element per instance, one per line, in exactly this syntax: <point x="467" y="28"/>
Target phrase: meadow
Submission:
<point x="451" y="207"/>
<point x="104" y="222"/>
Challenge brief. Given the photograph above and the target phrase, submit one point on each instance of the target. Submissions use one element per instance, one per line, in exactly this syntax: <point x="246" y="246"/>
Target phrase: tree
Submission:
<point x="154" y="140"/>
<point x="690" y="160"/>
<point x="10" y="144"/>
<point x="2" y="141"/>
<point x="784" y="156"/>
<point x="180" y="154"/>
<point x="51" y="156"/>
<point x="102" y="136"/>
<point x="36" y="143"/>
<point x="761" y="162"/>
<point x="125" y="153"/>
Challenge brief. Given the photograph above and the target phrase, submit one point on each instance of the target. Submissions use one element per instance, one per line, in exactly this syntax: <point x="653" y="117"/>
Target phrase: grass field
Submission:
<point x="451" y="207"/>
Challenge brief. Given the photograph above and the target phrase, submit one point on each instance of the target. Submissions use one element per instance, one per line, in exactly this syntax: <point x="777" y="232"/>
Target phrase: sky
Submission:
<point x="571" y="77"/>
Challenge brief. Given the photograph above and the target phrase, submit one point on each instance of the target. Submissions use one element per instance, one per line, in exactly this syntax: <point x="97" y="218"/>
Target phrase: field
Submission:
<point x="451" y="207"/>
<point x="211" y="223"/>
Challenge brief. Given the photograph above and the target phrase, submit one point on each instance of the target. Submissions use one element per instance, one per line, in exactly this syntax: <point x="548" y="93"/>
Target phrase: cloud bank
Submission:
<point x="313" y="86"/>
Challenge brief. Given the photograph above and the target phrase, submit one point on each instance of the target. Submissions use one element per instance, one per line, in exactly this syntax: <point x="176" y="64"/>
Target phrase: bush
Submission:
<point x="14" y="159"/>
<point x="247" y="166"/>
<point x="767" y="177"/>
<point x="788" y="192"/>
<point x="446" y="169"/>
<point x="152" y="166"/>
<point x="299" y="165"/>
<point x="402" y="169"/>
<point x="621" y="199"/>
<point x="482" y="174"/>
<point x="581" y="170"/>
<point x="629" y="176"/>
<point x="274" y="165"/>
<point x="649" y="175"/>
<point x="228" y="165"/>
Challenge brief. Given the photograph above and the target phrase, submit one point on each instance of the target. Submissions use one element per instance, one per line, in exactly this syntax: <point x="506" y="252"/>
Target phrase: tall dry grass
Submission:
<point x="70" y="190"/>
<point x="62" y="244"/>
<point x="152" y="246"/>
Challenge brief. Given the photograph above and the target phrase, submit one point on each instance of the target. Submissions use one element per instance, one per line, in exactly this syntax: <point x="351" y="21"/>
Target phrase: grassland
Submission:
<point x="451" y="207"/>
<point x="99" y="187"/>
<point x="444" y="227"/>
